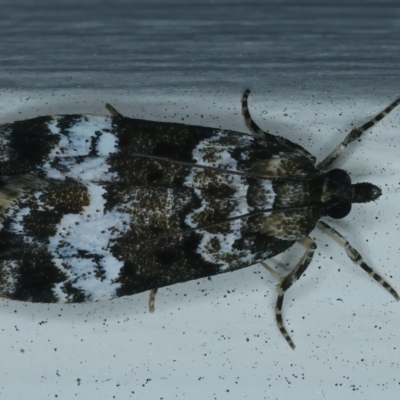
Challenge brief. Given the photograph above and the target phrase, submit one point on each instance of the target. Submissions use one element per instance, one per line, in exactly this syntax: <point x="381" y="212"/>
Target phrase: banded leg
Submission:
<point x="354" y="135"/>
<point x="152" y="299"/>
<point x="355" y="256"/>
<point x="253" y="127"/>
<point x="113" y="111"/>
<point x="287" y="281"/>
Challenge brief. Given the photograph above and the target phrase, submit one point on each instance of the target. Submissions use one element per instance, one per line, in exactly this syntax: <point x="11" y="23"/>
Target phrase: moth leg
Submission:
<point x="270" y="270"/>
<point x="253" y="127"/>
<point x="355" y="256"/>
<point x="152" y="299"/>
<point x="287" y="281"/>
<point x="248" y="120"/>
<point x="113" y="111"/>
<point x="354" y="135"/>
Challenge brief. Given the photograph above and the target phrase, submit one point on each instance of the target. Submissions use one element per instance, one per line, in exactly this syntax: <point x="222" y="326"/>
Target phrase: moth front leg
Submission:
<point x="354" y="135"/>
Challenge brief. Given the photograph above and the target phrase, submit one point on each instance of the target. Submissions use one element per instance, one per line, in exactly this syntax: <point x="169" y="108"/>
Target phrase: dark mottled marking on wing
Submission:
<point x="27" y="269"/>
<point x="32" y="274"/>
<point x="171" y="140"/>
<point x="29" y="143"/>
<point x="75" y="294"/>
<point x="164" y="262"/>
<point x="66" y="122"/>
<point x="47" y="210"/>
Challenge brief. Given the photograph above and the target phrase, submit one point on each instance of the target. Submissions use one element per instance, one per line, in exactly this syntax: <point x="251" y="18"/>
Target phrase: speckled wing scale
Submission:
<point x="96" y="207"/>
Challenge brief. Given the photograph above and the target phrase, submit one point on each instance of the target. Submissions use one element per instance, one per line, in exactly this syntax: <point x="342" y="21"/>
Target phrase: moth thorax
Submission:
<point x="337" y="193"/>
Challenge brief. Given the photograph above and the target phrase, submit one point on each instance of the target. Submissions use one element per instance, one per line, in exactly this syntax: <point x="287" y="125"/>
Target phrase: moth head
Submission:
<point x="338" y="193"/>
<point x="364" y="192"/>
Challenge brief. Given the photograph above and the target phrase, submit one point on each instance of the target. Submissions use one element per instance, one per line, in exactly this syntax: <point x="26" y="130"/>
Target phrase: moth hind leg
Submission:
<point x="354" y="135"/>
<point x="253" y="127"/>
<point x="270" y="270"/>
<point x="152" y="299"/>
<point x="248" y="120"/>
<point x="356" y="257"/>
<point x="113" y="111"/>
<point x="287" y="281"/>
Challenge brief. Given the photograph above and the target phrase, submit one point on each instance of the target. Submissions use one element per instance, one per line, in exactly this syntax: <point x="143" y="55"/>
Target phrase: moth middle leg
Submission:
<point x="287" y="281"/>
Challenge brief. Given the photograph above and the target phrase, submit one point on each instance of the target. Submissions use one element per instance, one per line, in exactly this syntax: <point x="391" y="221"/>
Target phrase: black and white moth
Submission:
<point x="97" y="207"/>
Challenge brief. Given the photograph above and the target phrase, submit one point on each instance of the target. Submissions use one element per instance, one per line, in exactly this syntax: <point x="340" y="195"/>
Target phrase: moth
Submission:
<point x="96" y="207"/>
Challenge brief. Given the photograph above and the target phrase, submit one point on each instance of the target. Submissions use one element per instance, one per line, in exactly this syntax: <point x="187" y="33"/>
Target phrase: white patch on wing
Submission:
<point x="90" y="233"/>
<point x="268" y="194"/>
<point x="9" y="276"/>
<point x="78" y="143"/>
<point x="81" y="237"/>
<point x="19" y="213"/>
<point x="216" y="152"/>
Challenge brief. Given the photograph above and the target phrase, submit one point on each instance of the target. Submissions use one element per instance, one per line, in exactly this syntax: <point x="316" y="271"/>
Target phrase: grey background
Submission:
<point x="220" y="46"/>
<point x="315" y="69"/>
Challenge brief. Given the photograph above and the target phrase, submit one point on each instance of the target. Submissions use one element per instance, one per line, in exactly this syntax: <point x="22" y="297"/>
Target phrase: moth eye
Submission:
<point x="338" y="211"/>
